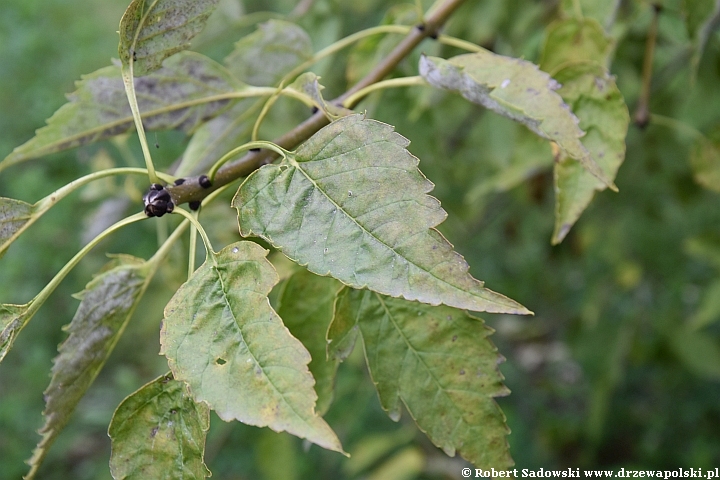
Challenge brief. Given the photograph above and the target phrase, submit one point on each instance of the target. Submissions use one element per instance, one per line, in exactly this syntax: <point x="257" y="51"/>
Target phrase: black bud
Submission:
<point x="204" y="181"/>
<point x="254" y="149"/>
<point x="194" y="205"/>
<point x="156" y="186"/>
<point x="179" y="181"/>
<point x="170" y="207"/>
<point x="315" y="110"/>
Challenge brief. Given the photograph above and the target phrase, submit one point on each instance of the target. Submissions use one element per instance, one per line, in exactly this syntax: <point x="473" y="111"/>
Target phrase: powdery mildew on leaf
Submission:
<point x="152" y="30"/>
<point x="516" y="89"/>
<point x="159" y="432"/>
<point x="107" y="304"/>
<point x="222" y="337"/>
<point x="352" y="204"/>
<point x="178" y="96"/>
<point x="439" y="363"/>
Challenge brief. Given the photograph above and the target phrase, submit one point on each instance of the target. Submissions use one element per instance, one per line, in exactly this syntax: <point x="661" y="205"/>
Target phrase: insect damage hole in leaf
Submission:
<point x="381" y="237"/>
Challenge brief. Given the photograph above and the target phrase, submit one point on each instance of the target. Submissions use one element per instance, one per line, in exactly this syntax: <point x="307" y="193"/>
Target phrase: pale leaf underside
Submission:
<point x="13" y="318"/>
<point x="352" y="204"/>
<point x="223" y="338"/>
<point x="159" y="432"/>
<point x="439" y="363"/>
<point x="14" y="218"/>
<point x="152" y="30"/>
<point x="107" y="303"/>
<point x="516" y="89"/>
<point x="178" y="96"/>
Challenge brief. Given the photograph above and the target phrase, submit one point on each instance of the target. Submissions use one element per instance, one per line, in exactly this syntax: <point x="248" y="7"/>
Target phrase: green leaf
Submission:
<point x="223" y="338"/>
<point x="13" y="318"/>
<point x="705" y="161"/>
<point x="307" y="85"/>
<point x="603" y="11"/>
<point x="439" y="363"/>
<point x="152" y="30"/>
<point x="708" y="312"/>
<point x="702" y="18"/>
<point x="516" y="89"/>
<point x="181" y="96"/>
<point x="108" y="302"/>
<point x="159" y="432"/>
<point x="266" y="55"/>
<point x="351" y="203"/>
<point x="15" y="216"/>
<point x="306" y="307"/>
<point x="571" y="41"/>
<point x="261" y="58"/>
<point x="698" y="351"/>
<point x="596" y="100"/>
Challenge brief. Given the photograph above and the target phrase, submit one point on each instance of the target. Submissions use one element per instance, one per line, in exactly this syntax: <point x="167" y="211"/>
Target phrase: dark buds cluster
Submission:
<point x="158" y="201"/>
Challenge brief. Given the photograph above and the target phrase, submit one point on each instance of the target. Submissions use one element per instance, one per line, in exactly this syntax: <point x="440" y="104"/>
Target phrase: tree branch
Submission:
<point x="191" y="190"/>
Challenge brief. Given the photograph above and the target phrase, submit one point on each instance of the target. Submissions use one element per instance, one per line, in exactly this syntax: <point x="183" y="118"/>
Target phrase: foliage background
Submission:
<point x="608" y="373"/>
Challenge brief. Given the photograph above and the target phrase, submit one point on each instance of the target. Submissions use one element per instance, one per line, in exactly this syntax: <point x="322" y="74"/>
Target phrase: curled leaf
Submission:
<point x="222" y="337"/>
<point x="13" y="318"/>
<point x="516" y="89"/>
<point x="351" y="203"/>
<point x="15" y="216"/>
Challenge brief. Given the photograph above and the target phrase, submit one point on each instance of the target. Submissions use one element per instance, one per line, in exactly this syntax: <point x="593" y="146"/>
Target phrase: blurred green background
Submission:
<point x="619" y="367"/>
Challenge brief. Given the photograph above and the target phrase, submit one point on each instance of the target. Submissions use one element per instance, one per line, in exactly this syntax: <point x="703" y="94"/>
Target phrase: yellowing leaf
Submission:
<point x="516" y="89"/>
<point x="159" y="432"/>
<point x="439" y="363"/>
<point x="178" y="96"/>
<point x="152" y="30"/>
<point x="222" y="337"/>
<point x="107" y="304"/>
<point x="595" y="98"/>
<point x="351" y="203"/>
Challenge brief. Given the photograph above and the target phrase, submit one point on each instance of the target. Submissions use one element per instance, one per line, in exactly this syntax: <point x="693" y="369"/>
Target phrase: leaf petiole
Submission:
<point x="201" y="230"/>
<point x="244" y="148"/>
<point x="355" y="98"/>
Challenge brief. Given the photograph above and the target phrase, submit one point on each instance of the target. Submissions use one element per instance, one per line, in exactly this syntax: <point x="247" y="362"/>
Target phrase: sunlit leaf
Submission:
<point x="14" y="218"/>
<point x="152" y="30"/>
<point x="439" y="363"/>
<point x="181" y="96"/>
<point x="13" y="318"/>
<point x="223" y="338"/>
<point x="603" y="11"/>
<point x="570" y="41"/>
<point x="306" y="307"/>
<point x="516" y="89"/>
<point x="108" y="302"/>
<point x="159" y="432"/>
<point x="594" y="97"/>
<point x="351" y="203"/>
<point x="261" y="58"/>
<point x="266" y="55"/>
<point x="705" y="161"/>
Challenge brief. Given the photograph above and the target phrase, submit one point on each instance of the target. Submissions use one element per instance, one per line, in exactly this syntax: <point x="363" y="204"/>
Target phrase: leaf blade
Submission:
<point x="221" y="336"/>
<point x="314" y="208"/>
<point x="516" y="89"/>
<point x="15" y="217"/>
<point x="153" y="30"/>
<point x="159" y="432"/>
<point x="107" y="303"/>
<point x="416" y="352"/>
<point x="180" y="96"/>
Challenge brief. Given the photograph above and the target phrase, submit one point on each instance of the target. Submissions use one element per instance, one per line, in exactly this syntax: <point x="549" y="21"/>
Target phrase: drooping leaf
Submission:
<point x="594" y="97"/>
<point x="181" y="96"/>
<point x="13" y="318"/>
<point x="308" y="84"/>
<point x="351" y="203"/>
<point x="14" y="218"/>
<point x="152" y="30"/>
<point x="222" y="337"/>
<point x="306" y="307"/>
<point x="266" y="55"/>
<point x="516" y="89"/>
<point x="603" y="11"/>
<point x="705" y="161"/>
<point x="108" y="302"/>
<point x="439" y="363"/>
<point x="570" y="41"/>
<point x="159" y="432"/>
<point x="262" y="59"/>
